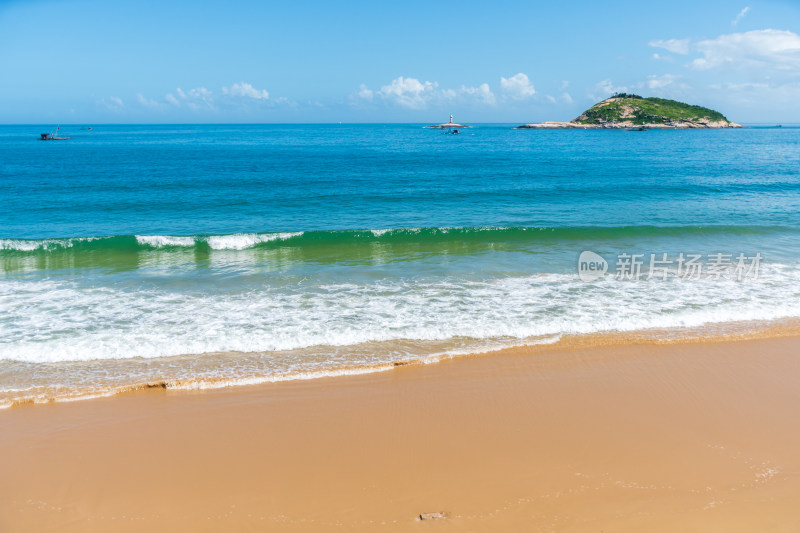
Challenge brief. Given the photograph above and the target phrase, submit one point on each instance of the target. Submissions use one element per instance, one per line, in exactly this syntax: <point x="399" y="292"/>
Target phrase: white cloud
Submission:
<point x="112" y="103"/>
<point x="740" y="16"/>
<point x="563" y="98"/>
<point x="201" y="93"/>
<point x="364" y="93"/>
<point x="605" y="89"/>
<point x="659" y="82"/>
<point x="412" y="93"/>
<point x="237" y="97"/>
<point x="146" y="101"/>
<point x="517" y="87"/>
<point x="676" y="46"/>
<point x="759" y="49"/>
<point x="409" y="92"/>
<point x="245" y="90"/>
<point x="482" y="93"/>
<point x="659" y="57"/>
<point x="199" y="98"/>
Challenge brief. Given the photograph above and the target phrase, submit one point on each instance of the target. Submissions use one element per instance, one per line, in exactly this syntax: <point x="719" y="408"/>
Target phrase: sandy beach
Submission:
<point x="681" y="437"/>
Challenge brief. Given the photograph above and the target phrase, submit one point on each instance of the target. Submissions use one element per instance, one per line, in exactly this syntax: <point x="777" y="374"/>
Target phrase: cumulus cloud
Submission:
<point x="759" y="49"/>
<point x="740" y="16"/>
<point x="201" y="93"/>
<point x="364" y="92"/>
<point x="483" y="93"/>
<point x="517" y="87"/>
<point x="245" y="90"/>
<point x="198" y="98"/>
<point x="676" y="46"/>
<point x="237" y="96"/>
<point x="409" y="92"/>
<point x="606" y="88"/>
<point x="413" y="93"/>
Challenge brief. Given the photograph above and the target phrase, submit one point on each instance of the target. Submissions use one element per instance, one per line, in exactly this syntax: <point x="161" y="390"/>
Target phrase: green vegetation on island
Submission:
<point x="625" y="110"/>
<point x="639" y="111"/>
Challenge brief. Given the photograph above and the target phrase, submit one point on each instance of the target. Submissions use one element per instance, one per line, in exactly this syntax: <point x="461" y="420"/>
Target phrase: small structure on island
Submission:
<point x="451" y="127"/>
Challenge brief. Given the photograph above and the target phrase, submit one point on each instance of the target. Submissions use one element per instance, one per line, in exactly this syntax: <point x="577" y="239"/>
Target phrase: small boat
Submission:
<point x="454" y="132"/>
<point x="52" y="136"/>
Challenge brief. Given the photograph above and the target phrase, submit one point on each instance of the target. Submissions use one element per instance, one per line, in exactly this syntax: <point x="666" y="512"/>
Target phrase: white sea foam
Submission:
<point x="22" y="245"/>
<point x="159" y="241"/>
<point x="241" y="241"/>
<point x="112" y="335"/>
<point x="51" y="321"/>
<point x="277" y="378"/>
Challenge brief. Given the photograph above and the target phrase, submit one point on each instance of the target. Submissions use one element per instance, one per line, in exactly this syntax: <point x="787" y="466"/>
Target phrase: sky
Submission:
<point x="211" y="61"/>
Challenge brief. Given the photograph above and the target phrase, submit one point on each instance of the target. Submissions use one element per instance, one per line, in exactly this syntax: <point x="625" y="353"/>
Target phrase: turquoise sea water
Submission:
<point x="203" y="256"/>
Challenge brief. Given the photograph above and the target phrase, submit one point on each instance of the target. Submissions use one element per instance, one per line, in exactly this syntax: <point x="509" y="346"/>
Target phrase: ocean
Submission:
<point x="202" y="256"/>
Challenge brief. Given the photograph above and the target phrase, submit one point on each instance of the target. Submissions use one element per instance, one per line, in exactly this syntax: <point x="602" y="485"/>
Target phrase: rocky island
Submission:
<point x="625" y="111"/>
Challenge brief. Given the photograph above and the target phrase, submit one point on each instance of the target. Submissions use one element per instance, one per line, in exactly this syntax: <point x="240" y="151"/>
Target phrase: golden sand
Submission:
<point x="677" y="437"/>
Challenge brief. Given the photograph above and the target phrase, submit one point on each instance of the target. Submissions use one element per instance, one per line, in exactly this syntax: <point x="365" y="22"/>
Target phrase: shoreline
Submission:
<point x="690" y="436"/>
<point x="722" y="332"/>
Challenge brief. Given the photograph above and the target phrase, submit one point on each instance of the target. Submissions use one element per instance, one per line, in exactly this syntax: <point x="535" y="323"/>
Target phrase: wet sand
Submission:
<point x="682" y="437"/>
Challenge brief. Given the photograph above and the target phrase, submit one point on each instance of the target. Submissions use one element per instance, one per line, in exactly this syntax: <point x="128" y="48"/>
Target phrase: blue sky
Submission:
<point x="91" y="61"/>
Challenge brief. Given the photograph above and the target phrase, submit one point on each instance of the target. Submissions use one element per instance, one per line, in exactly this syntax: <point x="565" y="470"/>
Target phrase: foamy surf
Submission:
<point x="218" y="371"/>
<point x="87" y="380"/>
<point x="50" y="321"/>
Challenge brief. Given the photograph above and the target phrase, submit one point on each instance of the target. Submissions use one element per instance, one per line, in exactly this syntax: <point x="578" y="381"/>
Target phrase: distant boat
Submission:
<point x="52" y="136"/>
<point x="448" y="126"/>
